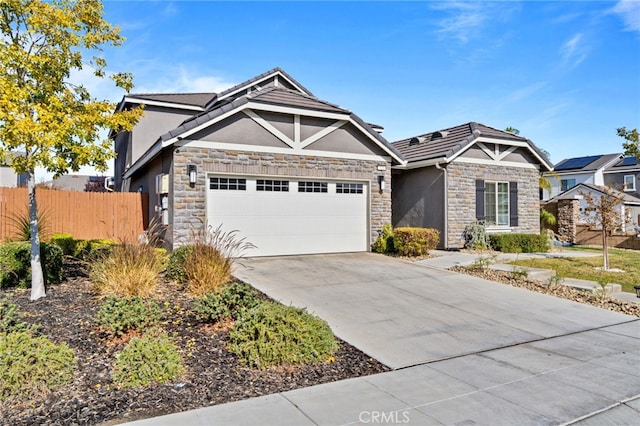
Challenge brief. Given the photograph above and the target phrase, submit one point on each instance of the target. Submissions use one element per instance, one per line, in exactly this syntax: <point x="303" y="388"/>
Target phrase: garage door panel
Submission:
<point x="292" y="222"/>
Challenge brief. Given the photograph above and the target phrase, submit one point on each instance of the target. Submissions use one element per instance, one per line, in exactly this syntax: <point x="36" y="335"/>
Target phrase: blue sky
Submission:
<point x="565" y="73"/>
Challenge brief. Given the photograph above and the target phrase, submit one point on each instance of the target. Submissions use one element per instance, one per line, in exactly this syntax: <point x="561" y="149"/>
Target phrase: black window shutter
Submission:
<point x="513" y="203"/>
<point x="480" y="214"/>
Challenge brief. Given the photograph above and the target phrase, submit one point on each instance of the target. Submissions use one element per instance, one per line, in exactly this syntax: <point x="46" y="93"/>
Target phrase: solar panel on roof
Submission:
<point x="577" y="163"/>
<point x="627" y="161"/>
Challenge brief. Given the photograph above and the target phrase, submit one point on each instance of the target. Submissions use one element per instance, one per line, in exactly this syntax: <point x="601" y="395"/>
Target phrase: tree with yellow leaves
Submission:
<point x="50" y="121"/>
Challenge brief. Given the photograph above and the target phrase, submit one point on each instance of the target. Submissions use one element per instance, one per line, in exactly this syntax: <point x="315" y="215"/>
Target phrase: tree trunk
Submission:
<point x="37" y="277"/>
<point x="605" y="249"/>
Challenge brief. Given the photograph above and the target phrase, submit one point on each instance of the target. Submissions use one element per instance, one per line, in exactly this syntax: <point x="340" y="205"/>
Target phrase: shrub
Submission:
<point x="475" y="237"/>
<point x="116" y="315"/>
<point x="15" y="264"/>
<point x="384" y="242"/>
<point x="91" y="250"/>
<point x="151" y="358"/>
<point x="415" y="241"/>
<point x="273" y="334"/>
<point x="66" y="242"/>
<point x="32" y="364"/>
<point x="519" y="243"/>
<point x="10" y="318"/>
<point x="230" y="303"/>
<point x="483" y="262"/>
<point x="175" y="267"/>
<point x="127" y="270"/>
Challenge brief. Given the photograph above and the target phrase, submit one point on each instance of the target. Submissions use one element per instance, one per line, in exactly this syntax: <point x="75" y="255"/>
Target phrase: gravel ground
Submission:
<point x="213" y="374"/>
<point x="563" y="291"/>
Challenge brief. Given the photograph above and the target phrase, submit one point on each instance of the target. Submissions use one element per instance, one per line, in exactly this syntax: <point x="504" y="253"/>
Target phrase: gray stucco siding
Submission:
<point x="418" y="199"/>
<point x="239" y="129"/>
<point x="346" y="139"/>
<point x="155" y="122"/>
<point x="189" y="203"/>
<point x="462" y="196"/>
<point x="616" y="181"/>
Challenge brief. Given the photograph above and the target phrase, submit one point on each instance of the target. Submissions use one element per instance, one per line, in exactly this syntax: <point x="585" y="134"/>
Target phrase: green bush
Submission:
<point x="31" y="364"/>
<point x="475" y="236"/>
<point x="415" y="241"/>
<point x="151" y="358"/>
<point x="519" y="243"/>
<point x="90" y="250"/>
<point x="15" y="264"/>
<point x="117" y="315"/>
<point x="273" y="334"/>
<point x="66" y="242"/>
<point x="10" y="318"/>
<point x="384" y="242"/>
<point x="175" y="267"/>
<point x="230" y="303"/>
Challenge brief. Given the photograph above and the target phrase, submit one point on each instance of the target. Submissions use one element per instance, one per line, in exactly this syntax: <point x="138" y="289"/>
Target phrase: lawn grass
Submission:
<point x="584" y="267"/>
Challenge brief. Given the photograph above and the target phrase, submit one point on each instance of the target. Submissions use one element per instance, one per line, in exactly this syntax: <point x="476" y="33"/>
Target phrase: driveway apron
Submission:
<point x="405" y="314"/>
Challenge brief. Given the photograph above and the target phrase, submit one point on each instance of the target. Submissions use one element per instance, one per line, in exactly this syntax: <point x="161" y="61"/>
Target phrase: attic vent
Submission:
<point x="438" y="135"/>
<point x="416" y="141"/>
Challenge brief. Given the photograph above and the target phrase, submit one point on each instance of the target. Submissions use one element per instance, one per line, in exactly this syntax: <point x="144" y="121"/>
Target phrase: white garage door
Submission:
<point x="286" y="216"/>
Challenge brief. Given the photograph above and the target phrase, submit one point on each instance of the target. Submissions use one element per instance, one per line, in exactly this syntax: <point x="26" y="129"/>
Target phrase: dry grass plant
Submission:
<point x="130" y="269"/>
<point x="209" y="265"/>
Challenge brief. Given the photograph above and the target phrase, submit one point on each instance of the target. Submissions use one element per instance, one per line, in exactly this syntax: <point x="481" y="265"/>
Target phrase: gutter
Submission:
<point x="446" y="204"/>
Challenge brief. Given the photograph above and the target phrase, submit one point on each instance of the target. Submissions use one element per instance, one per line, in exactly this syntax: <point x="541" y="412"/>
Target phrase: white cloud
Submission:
<point x="574" y="51"/>
<point x="100" y="88"/>
<point x="463" y="20"/>
<point x="629" y="11"/>
<point x="525" y="92"/>
<point x="466" y="20"/>
<point x="180" y="80"/>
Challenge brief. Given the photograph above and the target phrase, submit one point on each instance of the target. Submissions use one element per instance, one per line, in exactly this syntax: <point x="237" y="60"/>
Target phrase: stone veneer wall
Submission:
<point x="189" y="204"/>
<point x="462" y="197"/>
<point x="568" y="216"/>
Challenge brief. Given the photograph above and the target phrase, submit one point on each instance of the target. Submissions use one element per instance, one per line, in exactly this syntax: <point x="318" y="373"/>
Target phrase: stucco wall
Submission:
<point x="189" y="204"/>
<point x="462" y="197"/>
<point x="418" y="199"/>
<point x="616" y="181"/>
<point x="8" y="177"/>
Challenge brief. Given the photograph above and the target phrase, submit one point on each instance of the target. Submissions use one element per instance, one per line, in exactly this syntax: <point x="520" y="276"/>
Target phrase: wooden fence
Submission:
<point x="85" y="215"/>
<point x="593" y="237"/>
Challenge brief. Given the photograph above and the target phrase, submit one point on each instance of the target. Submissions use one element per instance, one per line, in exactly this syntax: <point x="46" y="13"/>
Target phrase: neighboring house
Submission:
<point x="629" y="208"/>
<point x="465" y="173"/>
<point x="9" y="178"/>
<point x="573" y="171"/>
<point x="293" y="174"/>
<point x="77" y="183"/>
<point x="624" y="176"/>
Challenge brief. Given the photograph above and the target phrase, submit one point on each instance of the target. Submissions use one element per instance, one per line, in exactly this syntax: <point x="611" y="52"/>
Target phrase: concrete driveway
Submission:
<point x="405" y="314"/>
<point x="465" y="351"/>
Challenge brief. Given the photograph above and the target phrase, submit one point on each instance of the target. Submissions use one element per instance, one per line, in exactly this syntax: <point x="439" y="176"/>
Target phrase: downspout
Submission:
<point x="446" y="205"/>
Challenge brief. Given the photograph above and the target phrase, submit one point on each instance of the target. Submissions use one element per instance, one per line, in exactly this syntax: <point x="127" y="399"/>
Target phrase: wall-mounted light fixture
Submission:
<point x="381" y="183"/>
<point x="193" y="174"/>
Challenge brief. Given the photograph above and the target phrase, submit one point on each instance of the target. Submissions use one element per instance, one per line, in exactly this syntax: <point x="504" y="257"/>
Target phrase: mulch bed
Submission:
<point x="213" y="376"/>
<point x="566" y="292"/>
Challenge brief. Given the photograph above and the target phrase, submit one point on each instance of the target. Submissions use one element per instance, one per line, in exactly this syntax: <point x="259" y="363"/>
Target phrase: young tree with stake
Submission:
<point x="53" y="122"/>
<point x="603" y="212"/>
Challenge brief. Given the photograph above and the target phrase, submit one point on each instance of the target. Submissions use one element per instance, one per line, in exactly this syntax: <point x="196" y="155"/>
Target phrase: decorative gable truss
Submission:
<point x="296" y="142"/>
<point x="497" y="152"/>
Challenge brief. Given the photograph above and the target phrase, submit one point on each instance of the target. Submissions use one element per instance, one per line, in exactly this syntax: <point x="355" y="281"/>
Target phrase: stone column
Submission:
<point x="568" y="212"/>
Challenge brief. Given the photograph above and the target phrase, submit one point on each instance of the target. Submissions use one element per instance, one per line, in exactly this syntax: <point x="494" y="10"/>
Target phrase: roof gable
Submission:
<point x="591" y="163"/>
<point x="626" y="164"/>
<point x="276" y="77"/>
<point x="575" y="192"/>
<point x="445" y="145"/>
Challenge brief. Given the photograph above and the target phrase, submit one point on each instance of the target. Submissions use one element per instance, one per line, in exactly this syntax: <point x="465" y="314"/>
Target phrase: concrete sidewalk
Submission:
<point x="464" y="350"/>
<point x="550" y="382"/>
